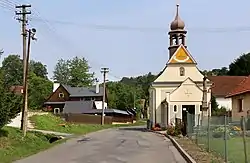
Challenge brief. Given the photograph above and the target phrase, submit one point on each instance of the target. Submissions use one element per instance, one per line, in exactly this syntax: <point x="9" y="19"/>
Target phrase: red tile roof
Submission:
<point x="242" y="87"/>
<point x="222" y="85"/>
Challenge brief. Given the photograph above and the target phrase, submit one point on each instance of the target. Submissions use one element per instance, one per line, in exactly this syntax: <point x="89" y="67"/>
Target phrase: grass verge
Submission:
<point x="52" y="123"/>
<point x="13" y="146"/>
<point x="197" y="153"/>
<point x="234" y="148"/>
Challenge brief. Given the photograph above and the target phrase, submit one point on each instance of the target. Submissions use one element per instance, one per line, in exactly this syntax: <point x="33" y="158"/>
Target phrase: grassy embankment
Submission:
<point x="13" y="146"/>
<point x="52" y="123"/>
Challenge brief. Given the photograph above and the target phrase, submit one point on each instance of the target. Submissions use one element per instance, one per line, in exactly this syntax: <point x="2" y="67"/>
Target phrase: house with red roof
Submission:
<point x="240" y="96"/>
<point x="222" y="86"/>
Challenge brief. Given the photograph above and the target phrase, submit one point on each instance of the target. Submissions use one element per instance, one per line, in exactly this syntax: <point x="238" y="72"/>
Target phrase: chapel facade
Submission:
<point x="179" y="88"/>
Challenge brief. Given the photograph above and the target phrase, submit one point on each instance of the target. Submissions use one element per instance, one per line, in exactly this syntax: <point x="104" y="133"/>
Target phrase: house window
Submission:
<point x="175" y="108"/>
<point x="182" y="71"/>
<point x="61" y="95"/>
<point x="240" y="105"/>
<point x="200" y="107"/>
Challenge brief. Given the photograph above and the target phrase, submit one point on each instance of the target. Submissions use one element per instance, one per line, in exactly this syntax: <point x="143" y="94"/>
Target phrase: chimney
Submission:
<point x="97" y="88"/>
<point x="55" y="86"/>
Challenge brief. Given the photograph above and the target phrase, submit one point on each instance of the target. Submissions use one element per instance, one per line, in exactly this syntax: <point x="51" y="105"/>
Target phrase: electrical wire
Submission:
<point x="10" y="5"/>
<point x="101" y="27"/>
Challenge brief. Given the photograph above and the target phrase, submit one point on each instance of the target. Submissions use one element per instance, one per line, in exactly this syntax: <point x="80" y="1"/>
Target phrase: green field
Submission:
<point x="235" y="148"/>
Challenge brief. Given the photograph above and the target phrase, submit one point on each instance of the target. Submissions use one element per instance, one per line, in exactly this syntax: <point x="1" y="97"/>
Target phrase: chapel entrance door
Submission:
<point x="188" y="119"/>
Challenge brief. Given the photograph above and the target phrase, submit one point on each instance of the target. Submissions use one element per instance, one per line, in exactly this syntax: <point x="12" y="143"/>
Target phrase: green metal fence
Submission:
<point x="227" y="138"/>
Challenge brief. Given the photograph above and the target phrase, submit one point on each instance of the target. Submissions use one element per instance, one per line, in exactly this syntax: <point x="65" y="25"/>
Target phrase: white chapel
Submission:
<point x="179" y="88"/>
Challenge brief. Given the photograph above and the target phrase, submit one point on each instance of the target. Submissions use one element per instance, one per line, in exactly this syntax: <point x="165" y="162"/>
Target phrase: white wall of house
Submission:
<point x="224" y="102"/>
<point x="99" y="105"/>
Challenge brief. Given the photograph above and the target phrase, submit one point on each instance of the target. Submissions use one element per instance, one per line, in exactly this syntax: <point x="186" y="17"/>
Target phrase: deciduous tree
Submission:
<point x="39" y="90"/>
<point x="39" y="69"/>
<point x="74" y="72"/>
<point x="12" y="68"/>
<point x="240" y="66"/>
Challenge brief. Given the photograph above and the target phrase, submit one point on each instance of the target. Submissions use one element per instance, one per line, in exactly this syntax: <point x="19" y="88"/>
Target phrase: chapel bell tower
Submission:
<point x="177" y="33"/>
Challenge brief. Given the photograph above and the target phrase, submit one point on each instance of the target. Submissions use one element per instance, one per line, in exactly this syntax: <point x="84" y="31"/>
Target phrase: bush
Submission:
<point x="174" y="130"/>
<point x="219" y="132"/>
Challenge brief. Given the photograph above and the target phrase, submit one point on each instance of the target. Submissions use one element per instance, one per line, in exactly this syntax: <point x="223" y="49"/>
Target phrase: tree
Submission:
<point x="240" y="66"/>
<point x="142" y="84"/>
<point x="12" y="68"/>
<point x="73" y="72"/>
<point x="79" y="72"/>
<point x="39" y="69"/>
<point x="39" y="90"/>
<point x="10" y="104"/>
<point x="123" y="96"/>
<point x="216" y="72"/>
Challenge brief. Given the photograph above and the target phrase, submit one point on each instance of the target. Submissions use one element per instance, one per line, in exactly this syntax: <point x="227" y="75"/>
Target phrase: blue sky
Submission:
<point x="215" y="28"/>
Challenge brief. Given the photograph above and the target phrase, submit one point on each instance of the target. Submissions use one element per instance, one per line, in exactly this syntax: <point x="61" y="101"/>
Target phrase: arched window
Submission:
<point x="182" y="71"/>
<point x="175" y="108"/>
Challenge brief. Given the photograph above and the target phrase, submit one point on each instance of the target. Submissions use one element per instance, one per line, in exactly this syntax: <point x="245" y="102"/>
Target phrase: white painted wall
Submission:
<point x="224" y="102"/>
<point x="171" y="73"/>
<point x="176" y="94"/>
<point x="99" y="105"/>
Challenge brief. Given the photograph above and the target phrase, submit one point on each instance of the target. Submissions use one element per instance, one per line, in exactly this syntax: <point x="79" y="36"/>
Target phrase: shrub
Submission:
<point x="157" y="127"/>
<point x="174" y="130"/>
<point x="219" y="132"/>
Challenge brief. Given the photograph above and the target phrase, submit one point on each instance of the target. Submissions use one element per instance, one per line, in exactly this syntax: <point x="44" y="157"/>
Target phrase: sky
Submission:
<point x="132" y="39"/>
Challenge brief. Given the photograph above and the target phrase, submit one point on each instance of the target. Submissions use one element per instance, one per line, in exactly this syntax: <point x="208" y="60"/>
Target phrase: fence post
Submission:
<point x="208" y="133"/>
<point x="197" y="130"/>
<point x="225" y="138"/>
<point x="244" y="138"/>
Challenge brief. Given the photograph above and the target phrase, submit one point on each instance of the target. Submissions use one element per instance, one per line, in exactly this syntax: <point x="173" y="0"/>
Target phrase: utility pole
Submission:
<point x="23" y="19"/>
<point x="31" y="34"/>
<point x="204" y="98"/>
<point x="104" y="70"/>
<point x="134" y="99"/>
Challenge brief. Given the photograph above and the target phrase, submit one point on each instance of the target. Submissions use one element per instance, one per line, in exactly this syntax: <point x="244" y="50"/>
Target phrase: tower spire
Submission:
<point x="177" y="33"/>
<point x="177" y="23"/>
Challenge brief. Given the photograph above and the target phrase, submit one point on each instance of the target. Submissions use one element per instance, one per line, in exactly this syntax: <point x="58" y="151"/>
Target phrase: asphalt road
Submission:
<point x="124" y="145"/>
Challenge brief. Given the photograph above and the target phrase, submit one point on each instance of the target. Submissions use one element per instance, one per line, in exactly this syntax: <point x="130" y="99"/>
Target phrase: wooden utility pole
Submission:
<point x="23" y="19"/>
<point x="31" y="33"/>
<point x="104" y="70"/>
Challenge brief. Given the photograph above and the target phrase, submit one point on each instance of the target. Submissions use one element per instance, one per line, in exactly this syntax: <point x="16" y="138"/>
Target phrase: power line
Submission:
<point x="9" y="5"/>
<point x="101" y="27"/>
<point x="146" y="29"/>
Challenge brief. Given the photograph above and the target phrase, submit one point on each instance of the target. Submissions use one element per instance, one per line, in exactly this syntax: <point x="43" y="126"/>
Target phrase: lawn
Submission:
<point x="52" y="123"/>
<point x="235" y="148"/>
<point x="14" y="147"/>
